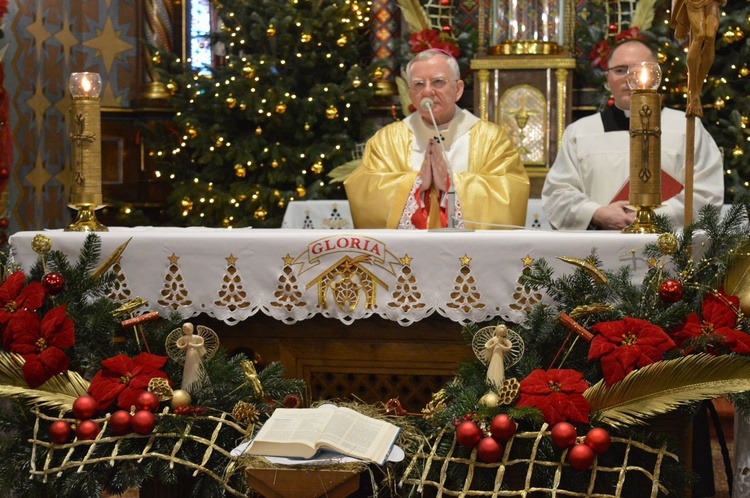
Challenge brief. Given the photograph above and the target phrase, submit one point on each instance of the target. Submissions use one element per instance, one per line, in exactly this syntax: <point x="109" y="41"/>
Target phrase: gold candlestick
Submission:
<point x="85" y="135"/>
<point x="645" y="145"/>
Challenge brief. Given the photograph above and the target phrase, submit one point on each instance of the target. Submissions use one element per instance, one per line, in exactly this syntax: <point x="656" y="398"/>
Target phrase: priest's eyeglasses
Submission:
<point x="618" y="71"/>
<point x="437" y="84"/>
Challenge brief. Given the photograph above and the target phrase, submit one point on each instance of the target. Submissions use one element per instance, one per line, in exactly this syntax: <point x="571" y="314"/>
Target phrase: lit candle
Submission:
<point x="85" y="136"/>
<point x="645" y="144"/>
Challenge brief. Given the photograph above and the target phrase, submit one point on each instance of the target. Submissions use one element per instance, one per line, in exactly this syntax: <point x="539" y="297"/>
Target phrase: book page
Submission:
<point x="358" y="435"/>
<point x="289" y="426"/>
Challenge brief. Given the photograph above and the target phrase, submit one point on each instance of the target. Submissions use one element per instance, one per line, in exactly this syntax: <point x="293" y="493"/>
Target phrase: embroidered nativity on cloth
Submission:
<point x="292" y="275"/>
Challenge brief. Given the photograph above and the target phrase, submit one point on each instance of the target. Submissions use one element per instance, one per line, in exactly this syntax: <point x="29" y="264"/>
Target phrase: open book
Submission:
<point x="302" y="432"/>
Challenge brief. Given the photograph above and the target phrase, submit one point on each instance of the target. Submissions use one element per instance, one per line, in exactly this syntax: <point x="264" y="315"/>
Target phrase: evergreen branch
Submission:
<point x="663" y="386"/>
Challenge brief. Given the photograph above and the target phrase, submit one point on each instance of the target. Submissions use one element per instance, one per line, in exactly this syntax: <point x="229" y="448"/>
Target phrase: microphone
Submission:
<point x="427" y="104"/>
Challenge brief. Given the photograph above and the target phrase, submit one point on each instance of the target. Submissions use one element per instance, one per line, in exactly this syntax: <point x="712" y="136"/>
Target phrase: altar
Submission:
<point x="375" y="313"/>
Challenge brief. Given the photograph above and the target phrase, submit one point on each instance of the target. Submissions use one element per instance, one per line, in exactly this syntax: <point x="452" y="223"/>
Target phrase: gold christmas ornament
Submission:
<point x="240" y="171"/>
<point x="281" y="204"/>
<point x="156" y="58"/>
<point x="301" y="191"/>
<point x="745" y="120"/>
<point x="667" y="243"/>
<point x="260" y="213"/>
<point x="271" y="31"/>
<point x="744" y="71"/>
<point x="258" y="130"/>
<point x="280" y="108"/>
<point x="341" y="42"/>
<point x="248" y="71"/>
<point x="378" y="73"/>
<point x="332" y="112"/>
<point x="186" y="203"/>
<point x="306" y="37"/>
<point x="192" y="133"/>
<point x="243" y="106"/>
<point x="180" y="398"/>
<point x="356" y="82"/>
<point x="307" y="126"/>
<point x="41" y="244"/>
<point x="489" y="400"/>
<point x="317" y="168"/>
<point x="719" y="103"/>
<point x="231" y="102"/>
<point x="171" y="87"/>
<point x="729" y="36"/>
<point x="274" y="164"/>
<point x="737" y="151"/>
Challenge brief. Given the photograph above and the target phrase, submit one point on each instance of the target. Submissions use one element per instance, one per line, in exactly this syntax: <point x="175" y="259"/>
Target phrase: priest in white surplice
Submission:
<point x="587" y="186"/>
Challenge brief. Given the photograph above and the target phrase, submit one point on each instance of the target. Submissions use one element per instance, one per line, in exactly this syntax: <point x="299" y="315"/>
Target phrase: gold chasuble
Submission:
<point x="492" y="188"/>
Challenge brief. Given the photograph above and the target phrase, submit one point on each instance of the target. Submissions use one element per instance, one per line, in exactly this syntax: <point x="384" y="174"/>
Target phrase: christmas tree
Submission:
<point x="282" y="105"/>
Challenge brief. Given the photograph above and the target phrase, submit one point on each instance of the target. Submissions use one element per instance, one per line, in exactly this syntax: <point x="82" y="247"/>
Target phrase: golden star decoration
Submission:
<point x="231" y="259"/>
<point x="173" y="259"/>
<point x="527" y="261"/>
<point x="465" y="260"/>
<point x="288" y="260"/>
<point x="406" y="260"/>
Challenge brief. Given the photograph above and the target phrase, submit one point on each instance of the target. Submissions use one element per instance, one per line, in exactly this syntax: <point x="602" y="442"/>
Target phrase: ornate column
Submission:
<point x="385" y="20"/>
<point x="158" y="32"/>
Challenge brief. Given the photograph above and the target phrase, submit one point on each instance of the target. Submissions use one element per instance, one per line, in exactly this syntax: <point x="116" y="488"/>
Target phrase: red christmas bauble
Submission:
<point x="468" y="434"/>
<point x="4" y="223"/>
<point x="580" y="457"/>
<point x="147" y="401"/>
<point x="445" y="3"/>
<point x="87" y="430"/>
<point x="143" y="422"/>
<point x="670" y="290"/>
<point x="59" y="432"/>
<point x="563" y="435"/>
<point x="502" y="427"/>
<point x="84" y="407"/>
<point x="447" y="29"/>
<point x="598" y="440"/>
<point x="489" y="450"/>
<point x="4" y="173"/>
<point x="53" y="283"/>
<point x="119" y="422"/>
<point x="612" y="28"/>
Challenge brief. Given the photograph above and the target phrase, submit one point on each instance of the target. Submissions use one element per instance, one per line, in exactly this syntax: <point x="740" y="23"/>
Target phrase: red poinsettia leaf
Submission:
<point x="11" y="287"/>
<point x="578" y="409"/>
<point x="105" y="387"/>
<point x="121" y="364"/>
<point x="41" y="367"/>
<point x="58" y="329"/>
<point x="22" y="333"/>
<point x="31" y="297"/>
<point x="719" y="311"/>
<point x="149" y="362"/>
<point x="536" y="382"/>
<point x="600" y="347"/>
<point x="736" y="340"/>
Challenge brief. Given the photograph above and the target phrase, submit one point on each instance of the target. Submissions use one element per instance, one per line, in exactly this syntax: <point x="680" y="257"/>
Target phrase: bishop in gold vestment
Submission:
<point x="393" y="186"/>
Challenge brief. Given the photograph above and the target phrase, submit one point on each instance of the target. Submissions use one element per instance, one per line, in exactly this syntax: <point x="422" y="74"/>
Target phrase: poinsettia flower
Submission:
<point x="15" y="296"/>
<point x="425" y="39"/>
<point x="626" y="34"/>
<point x="599" y="54"/>
<point x="42" y="342"/>
<point x="3" y="8"/>
<point x="557" y="393"/>
<point x="430" y="38"/>
<point x="123" y="379"/>
<point x="623" y="345"/>
<point x="717" y="325"/>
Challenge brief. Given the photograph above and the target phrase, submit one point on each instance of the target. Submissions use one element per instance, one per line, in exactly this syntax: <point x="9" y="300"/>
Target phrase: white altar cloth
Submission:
<point x="292" y="275"/>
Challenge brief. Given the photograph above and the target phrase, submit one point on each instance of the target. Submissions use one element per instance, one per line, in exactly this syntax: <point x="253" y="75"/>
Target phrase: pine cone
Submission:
<point x="245" y="413"/>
